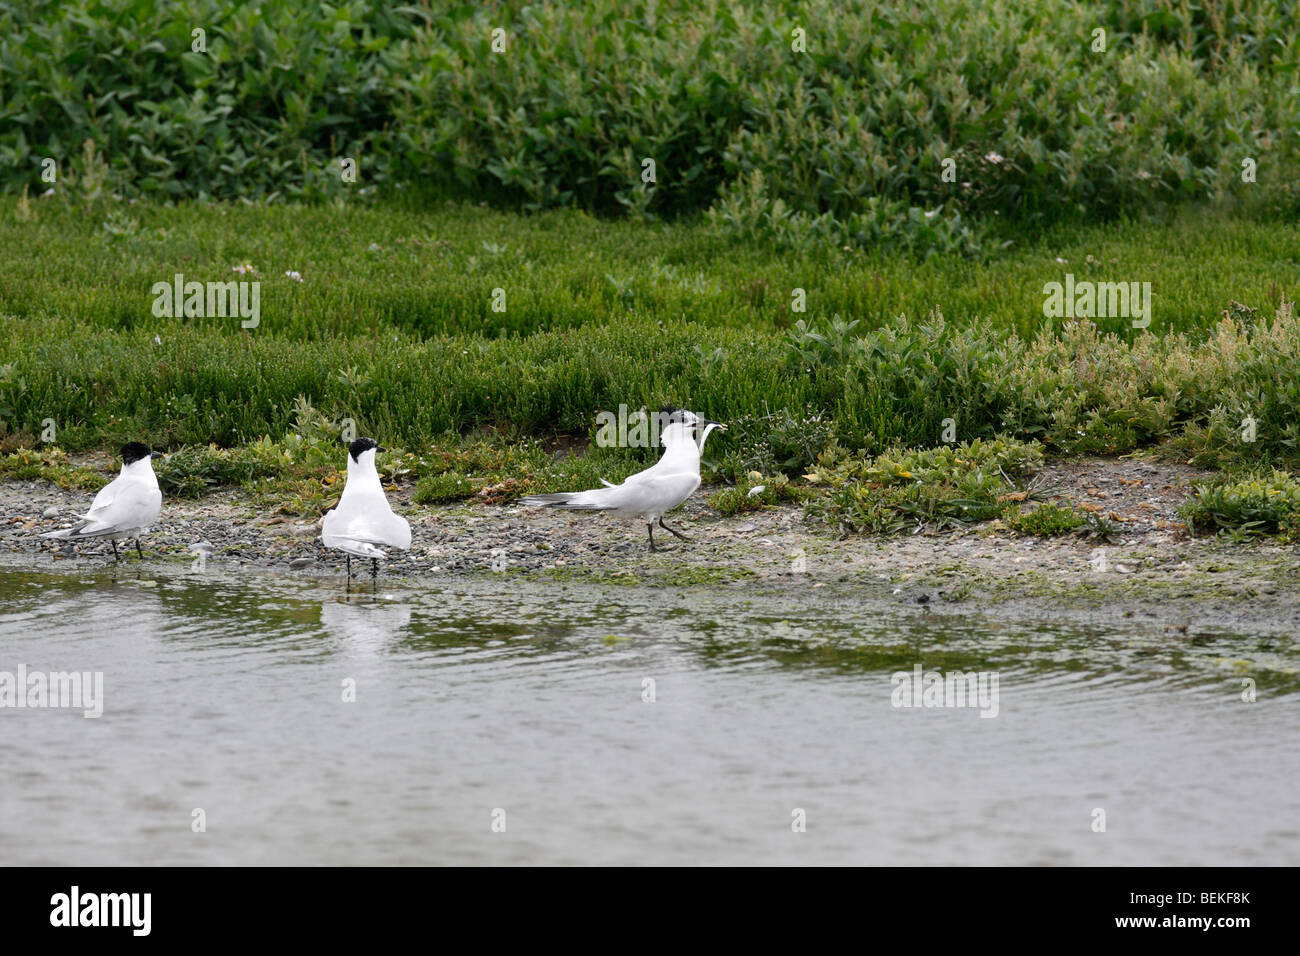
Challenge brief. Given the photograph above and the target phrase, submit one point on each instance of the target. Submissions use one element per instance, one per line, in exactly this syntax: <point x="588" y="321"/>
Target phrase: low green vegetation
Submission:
<point x="945" y="487"/>
<point x="948" y="487"/>
<point x="756" y="493"/>
<point x="48" y="464"/>
<point x="80" y="346"/>
<point x="1262" y="503"/>
<point x="432" y="273"/>
<point x="1047" y="520"/>
<point x="484" y="412"/>
<point x="447" y="488"/>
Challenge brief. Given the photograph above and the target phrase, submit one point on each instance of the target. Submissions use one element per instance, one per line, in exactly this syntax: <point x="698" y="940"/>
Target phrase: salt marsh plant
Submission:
<point x="846" y="140"/>
<point x="1262" y="503"/>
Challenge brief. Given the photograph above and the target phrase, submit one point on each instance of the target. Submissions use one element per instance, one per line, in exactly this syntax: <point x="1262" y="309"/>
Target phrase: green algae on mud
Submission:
<point x="688" y="576"/>
<point x="852" y="623"/>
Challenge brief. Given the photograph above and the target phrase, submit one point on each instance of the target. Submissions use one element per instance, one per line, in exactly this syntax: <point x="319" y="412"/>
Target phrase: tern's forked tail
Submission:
<point x="596" y="500"/>
<point x="64" y="532"/>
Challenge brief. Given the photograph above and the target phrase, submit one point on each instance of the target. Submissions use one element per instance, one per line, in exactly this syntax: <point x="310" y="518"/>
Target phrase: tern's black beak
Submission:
<point x="155" y="454"/>
<point x="706" y="423"/>
<point x="380" y="448"/>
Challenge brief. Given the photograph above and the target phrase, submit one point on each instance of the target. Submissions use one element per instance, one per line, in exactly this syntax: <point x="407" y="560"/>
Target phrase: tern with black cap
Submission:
<point x="363" y="523"/>
<point x="124" y="508"/>
<point x="650" y="494"/>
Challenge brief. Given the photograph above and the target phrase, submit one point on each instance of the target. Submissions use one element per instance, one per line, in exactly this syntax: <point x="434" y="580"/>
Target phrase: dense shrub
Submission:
<point x="843" y="143"/>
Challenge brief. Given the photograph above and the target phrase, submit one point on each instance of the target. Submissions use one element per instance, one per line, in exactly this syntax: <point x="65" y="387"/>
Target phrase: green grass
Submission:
<point x="432" y="273"/>
<point x="444" y="489"/>
<point x="48" y="464"/>
<point x="79" y="344"/>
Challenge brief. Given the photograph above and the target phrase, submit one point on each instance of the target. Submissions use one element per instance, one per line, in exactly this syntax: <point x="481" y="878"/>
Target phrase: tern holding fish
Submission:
<point x="650" y="494"/>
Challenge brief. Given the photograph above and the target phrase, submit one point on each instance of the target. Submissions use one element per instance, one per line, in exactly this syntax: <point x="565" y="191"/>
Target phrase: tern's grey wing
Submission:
<point x="672" y="490"/>
<point x="647" y="474"/>
<point x="650" y="496"/>
<point x="384" y="528"/>
<point x="134" y="505"/>
<point x="107" y="495"/>
<point x="367" y="520"/>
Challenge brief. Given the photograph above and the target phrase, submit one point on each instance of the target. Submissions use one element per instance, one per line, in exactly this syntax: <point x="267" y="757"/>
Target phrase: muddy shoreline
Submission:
<point x="1152" y="574"/>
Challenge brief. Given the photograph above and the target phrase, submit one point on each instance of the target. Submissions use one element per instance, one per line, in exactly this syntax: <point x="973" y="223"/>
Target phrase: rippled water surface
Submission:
<point x="224" y="692"/>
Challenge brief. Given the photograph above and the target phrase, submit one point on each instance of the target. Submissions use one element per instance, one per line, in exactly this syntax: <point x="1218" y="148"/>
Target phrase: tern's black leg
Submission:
<point x="673" y="530"/>
<point x="138" y="552"/>
<point x="374" y="568"/>
<point x="349" y="557"/>
<point x="651" y="528"/>
<point x="114" y="544"/>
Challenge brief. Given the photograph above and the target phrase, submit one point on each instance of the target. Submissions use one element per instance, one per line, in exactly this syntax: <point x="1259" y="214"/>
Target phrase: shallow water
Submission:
<point x="223" y="691"/>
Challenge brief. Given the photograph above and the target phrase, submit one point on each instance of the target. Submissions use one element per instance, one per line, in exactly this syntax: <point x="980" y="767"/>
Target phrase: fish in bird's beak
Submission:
<point x="704" y="428"/>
